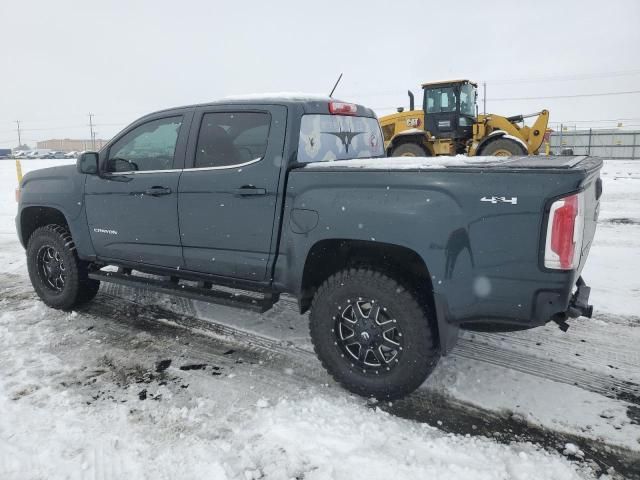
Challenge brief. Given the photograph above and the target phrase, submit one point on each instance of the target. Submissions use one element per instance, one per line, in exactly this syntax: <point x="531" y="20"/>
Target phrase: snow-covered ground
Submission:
<point x="92" y="394"/>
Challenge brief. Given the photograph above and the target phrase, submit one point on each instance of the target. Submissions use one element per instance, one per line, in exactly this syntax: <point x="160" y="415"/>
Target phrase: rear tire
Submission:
<point x="503" y="147"/>
<point x="368" y="308"/>
<point x="58" y="276"/>
<point x="409" y="150"/>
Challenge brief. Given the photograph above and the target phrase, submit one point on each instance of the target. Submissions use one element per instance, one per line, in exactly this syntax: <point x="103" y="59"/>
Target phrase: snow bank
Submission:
<point x="340" y="439"/>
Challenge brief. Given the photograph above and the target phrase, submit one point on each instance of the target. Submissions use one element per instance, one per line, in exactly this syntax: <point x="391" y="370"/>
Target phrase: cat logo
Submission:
<point x="494" y="200"/>
<point x="413" y="122"/>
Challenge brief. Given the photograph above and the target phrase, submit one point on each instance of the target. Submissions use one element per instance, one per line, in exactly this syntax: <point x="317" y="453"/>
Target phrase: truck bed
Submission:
<point x="479" y="224"/>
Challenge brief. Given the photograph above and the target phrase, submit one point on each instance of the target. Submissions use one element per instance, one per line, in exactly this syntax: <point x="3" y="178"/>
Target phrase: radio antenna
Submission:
<point x="335" y="86"/>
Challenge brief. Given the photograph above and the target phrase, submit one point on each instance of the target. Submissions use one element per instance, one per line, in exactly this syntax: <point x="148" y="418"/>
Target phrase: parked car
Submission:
<point x="54" y="154"/>
<point x="39" y="153"/>
<point x="20" y="154"/>
<point x="5" y="153"/>
<point x="72" y="154"/>
<point x="294" y="195"/>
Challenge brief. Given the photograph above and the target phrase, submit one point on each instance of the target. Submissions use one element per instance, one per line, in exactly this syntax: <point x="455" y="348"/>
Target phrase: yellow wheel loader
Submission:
<point x="449" y="124"/>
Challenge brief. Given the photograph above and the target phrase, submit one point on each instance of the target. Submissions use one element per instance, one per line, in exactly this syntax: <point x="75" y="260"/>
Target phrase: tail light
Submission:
<point x="341" y="108"/>
<point x="563" y="244"/>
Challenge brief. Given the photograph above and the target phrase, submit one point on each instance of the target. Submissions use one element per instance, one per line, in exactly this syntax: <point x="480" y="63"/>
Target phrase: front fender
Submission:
<point x="60" y="189"/>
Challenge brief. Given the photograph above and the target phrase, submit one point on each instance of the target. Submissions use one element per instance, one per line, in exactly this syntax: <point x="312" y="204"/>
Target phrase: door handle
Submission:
<point x="246" y="190"/>
<point x="157" y="191"/>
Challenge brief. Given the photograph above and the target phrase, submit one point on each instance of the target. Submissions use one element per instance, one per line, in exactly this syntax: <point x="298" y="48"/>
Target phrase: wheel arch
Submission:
<point x="404" y="264"/>
<point x="496" y="134"/>
<point x="33" y="217"/>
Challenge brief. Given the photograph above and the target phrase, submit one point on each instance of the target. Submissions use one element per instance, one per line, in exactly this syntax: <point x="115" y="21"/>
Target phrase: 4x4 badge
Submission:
<point x="494" y="200"/>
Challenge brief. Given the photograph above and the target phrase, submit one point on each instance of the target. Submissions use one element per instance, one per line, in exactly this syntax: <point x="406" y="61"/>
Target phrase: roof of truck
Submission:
<point x="287" y="96"/>
<point x="311" y="103"/>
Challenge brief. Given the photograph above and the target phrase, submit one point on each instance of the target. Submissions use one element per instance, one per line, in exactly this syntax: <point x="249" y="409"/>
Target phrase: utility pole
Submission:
<point x="484" y="98"/>
<point x="93" y="137"/>
<point x="19" y="135"/>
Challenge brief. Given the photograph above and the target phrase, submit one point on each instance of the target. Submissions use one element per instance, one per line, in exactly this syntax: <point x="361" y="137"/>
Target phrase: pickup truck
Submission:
<point x="239" y="201"/>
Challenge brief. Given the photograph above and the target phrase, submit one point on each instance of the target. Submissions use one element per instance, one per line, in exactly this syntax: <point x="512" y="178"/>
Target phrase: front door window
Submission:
<point x="150" y="146"/>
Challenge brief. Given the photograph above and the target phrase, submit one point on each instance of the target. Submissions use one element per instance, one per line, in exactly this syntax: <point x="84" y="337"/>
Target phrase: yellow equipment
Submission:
<point x="449" y="124"/>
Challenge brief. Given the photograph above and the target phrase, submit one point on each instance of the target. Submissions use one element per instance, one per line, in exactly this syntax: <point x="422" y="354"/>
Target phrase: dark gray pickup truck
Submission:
<point x="239" y="201"/>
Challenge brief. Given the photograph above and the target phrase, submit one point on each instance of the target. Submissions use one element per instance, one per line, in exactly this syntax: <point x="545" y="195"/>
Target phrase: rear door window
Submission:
<point x="324" y="138"/>
<point x="232" y="138"/>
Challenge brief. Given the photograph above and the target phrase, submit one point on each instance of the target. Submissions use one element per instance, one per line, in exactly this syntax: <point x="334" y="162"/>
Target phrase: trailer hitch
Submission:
<point x="578" y="306"/>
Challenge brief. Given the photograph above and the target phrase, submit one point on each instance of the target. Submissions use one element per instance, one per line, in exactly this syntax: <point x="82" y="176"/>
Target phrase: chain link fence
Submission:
<point x="611" y="144"/>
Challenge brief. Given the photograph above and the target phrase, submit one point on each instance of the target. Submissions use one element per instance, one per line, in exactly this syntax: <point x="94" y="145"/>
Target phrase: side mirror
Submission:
<point x="88" y="163"/>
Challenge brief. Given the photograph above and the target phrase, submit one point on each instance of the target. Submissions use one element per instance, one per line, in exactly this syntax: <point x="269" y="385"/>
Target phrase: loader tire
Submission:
<point x="503" y="147"/>
<point x="409" y="150"/>
<point x="372" y="334"/>
<point x="58" y="276"/>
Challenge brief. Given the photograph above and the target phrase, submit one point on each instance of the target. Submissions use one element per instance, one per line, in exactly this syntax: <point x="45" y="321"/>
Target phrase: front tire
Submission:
<point x="409" y="150"/>
<point x="371" y="334"/>
<point x="58" y="276"/>
<point x="503" y="147"/>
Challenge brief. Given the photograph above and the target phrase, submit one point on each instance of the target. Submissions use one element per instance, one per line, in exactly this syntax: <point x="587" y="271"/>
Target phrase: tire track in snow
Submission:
<point x="608" y="386"/>
<point x="180" y="314"/>
<point x="557" y="371"/>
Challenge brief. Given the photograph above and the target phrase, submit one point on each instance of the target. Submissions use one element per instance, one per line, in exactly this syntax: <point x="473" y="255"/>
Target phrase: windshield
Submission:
<point x="468" y="100"/>
<point x="439" y="100"/>
<point x="324" y="138"/>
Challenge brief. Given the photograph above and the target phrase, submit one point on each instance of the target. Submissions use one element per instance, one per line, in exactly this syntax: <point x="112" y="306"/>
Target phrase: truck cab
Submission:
<point x="450" y="108"/>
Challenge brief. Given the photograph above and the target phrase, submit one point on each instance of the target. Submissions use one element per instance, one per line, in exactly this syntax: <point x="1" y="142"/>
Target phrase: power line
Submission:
<point x="603" y="120"/>
<point x="558" y="78"/>
<point x="548" y="97"/>
<point x="584" y="76"/>
<point x="52" y="128"/>
<point x="579" y="95"/>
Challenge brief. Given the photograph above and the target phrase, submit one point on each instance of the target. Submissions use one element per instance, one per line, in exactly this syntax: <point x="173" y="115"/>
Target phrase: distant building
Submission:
<point x="71" y="145"/>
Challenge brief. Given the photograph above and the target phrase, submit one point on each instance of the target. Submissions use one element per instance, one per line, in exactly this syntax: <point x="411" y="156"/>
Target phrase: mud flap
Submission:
<point x="447" y="333"/>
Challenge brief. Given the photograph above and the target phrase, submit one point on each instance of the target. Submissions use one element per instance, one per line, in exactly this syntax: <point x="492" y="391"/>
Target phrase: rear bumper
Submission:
<point x="564" y="302"/>
<point x="569" y="299"/>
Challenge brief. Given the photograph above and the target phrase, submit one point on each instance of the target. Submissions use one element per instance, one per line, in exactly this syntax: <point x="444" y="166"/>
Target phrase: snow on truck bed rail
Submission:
<point x="407" y="163"/>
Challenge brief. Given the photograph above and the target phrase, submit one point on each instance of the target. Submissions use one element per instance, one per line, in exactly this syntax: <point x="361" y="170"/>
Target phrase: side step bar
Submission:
<point x="203" y="292"/>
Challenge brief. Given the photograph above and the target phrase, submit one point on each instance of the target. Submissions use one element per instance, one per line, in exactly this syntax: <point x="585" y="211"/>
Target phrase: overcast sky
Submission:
<point x="120" y="59"/>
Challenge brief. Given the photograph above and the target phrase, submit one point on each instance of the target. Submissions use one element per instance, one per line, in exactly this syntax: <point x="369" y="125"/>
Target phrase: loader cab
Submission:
<point x="450" y="108"/>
